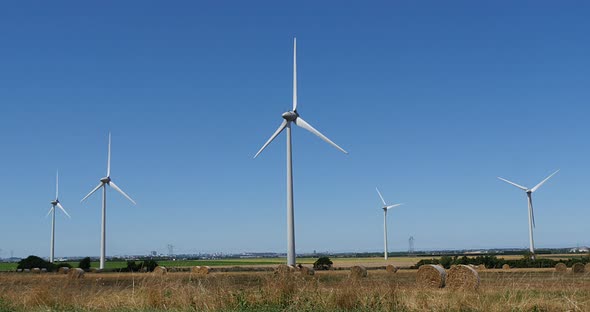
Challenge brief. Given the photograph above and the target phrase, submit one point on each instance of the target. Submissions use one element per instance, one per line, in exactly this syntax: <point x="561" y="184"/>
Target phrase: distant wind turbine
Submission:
<point x="529" y="194"/>
<point x="289" y="117"/>
<point x="103" y="183"/>
<point x="55" y="203"/>
<point x="385" y="208"/>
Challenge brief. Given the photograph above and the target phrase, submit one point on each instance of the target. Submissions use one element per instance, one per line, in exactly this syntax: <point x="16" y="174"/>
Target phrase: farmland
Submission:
<point x="338" y="262"/>
<point x="512" y="290"/>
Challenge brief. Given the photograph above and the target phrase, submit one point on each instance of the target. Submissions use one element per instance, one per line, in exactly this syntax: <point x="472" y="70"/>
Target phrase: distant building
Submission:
<point x="580" y="250"/>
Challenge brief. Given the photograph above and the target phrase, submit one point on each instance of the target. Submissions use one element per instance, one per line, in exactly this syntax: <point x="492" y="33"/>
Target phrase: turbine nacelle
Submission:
<point x="105" y="180"/>
<point x="54" y="202"/>
<point x="290" y="115"/>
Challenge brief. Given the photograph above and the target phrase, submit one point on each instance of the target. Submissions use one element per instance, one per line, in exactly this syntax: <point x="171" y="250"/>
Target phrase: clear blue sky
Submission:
<point x="433" y="100"/>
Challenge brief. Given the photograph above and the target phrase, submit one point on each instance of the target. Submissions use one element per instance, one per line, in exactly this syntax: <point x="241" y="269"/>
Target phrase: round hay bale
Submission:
<point x="431" y="276"/>
<point x="306" y="271"/>
<point x="587" y="267"/>
<point x="200" y="270"/>
<point x="481" y="267"/>
<point x="506" y="266"/>
<point x="43" y="270"/>
<point x="358" y="271"/>
<point x="63" y="270"/>
<point x="160" y="270"/>
<point x="19" y="270"/>
<point x="76" y="273"/>
<point x="390" y="268"/>
<point x="578" y="268"/>
<point x="27" y="270"/>
<point x="561" y="267"/>
<point x="36" y="271"/>
<point x="284" y="269"/>
<point x="462" y="277"/>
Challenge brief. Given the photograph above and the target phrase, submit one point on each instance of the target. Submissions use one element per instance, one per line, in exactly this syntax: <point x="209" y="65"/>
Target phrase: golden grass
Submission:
<point x="514" y="290"/>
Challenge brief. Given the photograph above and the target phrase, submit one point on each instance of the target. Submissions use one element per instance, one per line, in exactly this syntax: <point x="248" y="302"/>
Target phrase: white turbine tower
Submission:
<point x="103" y="183"/>
<point x="529" y="194"/>
<point x="289" y="117"/>
<point x="55" y="203"/>
<point x="385" y="208"/>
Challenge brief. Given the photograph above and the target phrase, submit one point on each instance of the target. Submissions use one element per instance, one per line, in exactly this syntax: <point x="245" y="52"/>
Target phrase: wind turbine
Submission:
<point x="529" y="194"/>
<point x="289" y="117"/>
<point x="385" y="208"/>
<point x="103" y="183"/>
<point x="55" y="203"/>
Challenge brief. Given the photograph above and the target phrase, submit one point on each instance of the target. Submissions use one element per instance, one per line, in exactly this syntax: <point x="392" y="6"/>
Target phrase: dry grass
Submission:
<point x="514" y="290"/>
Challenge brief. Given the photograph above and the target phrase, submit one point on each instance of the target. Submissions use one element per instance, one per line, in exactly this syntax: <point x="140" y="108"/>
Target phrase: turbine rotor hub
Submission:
<point x="105" y="180"/>
<point x="54" y="202"/>
<point x="290" y="115"/>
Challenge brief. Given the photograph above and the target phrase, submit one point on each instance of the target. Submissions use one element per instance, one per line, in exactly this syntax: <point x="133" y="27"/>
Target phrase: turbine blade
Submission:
<point x="542" y="182"/>
<point x="50" y="210"/>
<point x="393" y="206"/>
<point x="383" y="200"/>
<point x="64" y="211"/>
<point x="109" y="158"/>
<point x="519" y="186"/>
<point x="57" y="184"/>
<point x="92" y="192"/>
<point x="281" y="128"/>
<point x="113" y="185"/>
<point x="294" y="74"/>
<point x="303" y="124"/>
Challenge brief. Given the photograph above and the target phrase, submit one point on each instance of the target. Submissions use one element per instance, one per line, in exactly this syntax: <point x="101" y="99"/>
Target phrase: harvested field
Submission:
<point x="517" y="289"/>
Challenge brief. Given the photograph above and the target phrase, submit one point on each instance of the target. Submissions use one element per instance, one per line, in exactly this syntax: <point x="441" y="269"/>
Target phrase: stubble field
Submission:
<point x="512" y="290"/>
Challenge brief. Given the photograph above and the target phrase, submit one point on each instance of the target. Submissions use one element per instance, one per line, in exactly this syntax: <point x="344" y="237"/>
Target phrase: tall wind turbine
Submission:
<point x="103" y="183"/>
<point x="289" y="117"/>
<point x="529" y="194"/>
<point x="55" y="203"/>
<point x="385" y="208"/>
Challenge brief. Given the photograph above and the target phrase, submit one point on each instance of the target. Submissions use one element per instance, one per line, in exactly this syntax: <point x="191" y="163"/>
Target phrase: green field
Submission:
<point x="183" y="263"/>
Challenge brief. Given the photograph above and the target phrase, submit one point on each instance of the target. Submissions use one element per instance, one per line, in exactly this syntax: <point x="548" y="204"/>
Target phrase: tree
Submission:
<point x="446" y="261"/>
<point x="84" y="264"/>
<point x="35" y="262"/>
<point x="149" y="265"/>
<point x="323" y="263"/>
